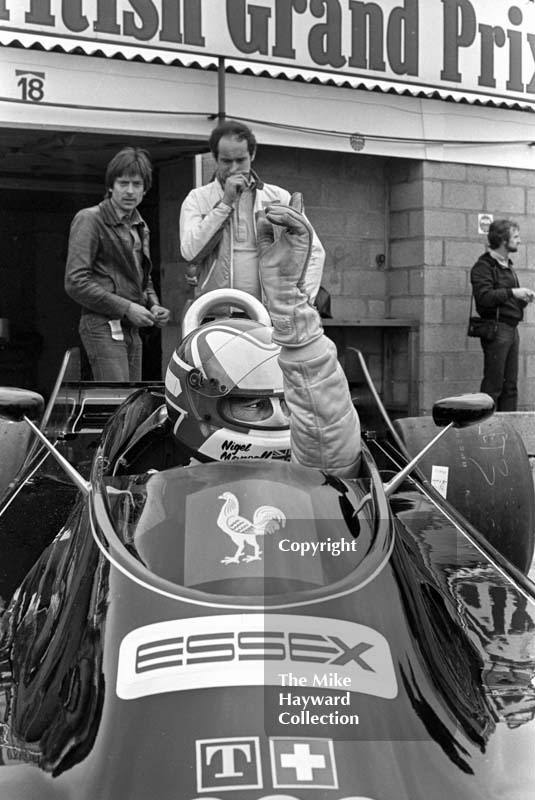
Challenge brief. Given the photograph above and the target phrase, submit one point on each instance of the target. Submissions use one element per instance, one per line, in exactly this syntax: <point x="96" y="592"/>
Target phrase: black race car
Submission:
<point x="358" y="640"/>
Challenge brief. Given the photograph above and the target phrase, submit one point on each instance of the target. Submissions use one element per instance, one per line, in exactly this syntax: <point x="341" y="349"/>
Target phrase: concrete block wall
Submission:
<point x="345" y="199"/>
<point x="452" y="197"/>
<point x="423" y="217"/>
<point x="450" y="224"/>
<point x="404" y="263"/>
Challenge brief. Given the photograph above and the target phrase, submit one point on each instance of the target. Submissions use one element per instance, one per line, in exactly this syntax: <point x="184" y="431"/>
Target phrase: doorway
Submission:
<point x="43" y="320"/>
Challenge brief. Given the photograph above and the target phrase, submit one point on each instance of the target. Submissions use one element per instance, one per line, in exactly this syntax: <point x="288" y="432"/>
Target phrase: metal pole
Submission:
<point x="221" y="114"/>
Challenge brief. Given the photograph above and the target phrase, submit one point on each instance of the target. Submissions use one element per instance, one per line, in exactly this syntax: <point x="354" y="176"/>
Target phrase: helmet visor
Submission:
<point x="265" y="413"/>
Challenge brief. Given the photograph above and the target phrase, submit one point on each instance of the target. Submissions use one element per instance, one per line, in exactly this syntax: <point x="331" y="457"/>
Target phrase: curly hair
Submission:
<point x="500" y="231"/>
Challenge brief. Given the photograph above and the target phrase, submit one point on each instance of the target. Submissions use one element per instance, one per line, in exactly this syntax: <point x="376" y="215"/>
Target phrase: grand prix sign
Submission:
<point x="469" y="46"/>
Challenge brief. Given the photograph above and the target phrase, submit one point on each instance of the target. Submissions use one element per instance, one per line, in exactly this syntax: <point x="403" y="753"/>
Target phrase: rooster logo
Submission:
<point x="266" y="519"/>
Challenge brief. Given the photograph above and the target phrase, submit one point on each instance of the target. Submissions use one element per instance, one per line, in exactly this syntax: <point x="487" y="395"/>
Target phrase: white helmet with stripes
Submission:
<point x="224" y="392"/>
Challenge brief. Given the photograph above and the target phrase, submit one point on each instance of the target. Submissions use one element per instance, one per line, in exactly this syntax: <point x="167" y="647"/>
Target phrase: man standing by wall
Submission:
<point x="497" y="294"/>
<point x="218" y="221"/>
<point x="109" y="271"/>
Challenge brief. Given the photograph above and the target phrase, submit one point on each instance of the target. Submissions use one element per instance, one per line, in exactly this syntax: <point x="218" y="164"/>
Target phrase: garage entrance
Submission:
<point x="45" y="179"/>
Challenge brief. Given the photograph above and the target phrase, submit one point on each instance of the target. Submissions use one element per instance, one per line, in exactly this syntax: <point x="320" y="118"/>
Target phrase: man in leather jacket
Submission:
<point x="109" y="269"/>
<point x="498" y="295"/>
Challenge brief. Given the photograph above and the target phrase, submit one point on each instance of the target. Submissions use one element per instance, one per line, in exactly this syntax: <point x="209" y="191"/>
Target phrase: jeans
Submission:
<point x="500" y="370"/>
<point x="111" y="359"/>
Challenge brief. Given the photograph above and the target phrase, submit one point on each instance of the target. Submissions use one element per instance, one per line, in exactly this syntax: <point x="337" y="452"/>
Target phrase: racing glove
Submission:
<point x="283" y="263"/>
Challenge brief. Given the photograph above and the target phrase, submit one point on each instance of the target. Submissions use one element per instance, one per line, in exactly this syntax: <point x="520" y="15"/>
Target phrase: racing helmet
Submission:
<point x="215" y="365"/>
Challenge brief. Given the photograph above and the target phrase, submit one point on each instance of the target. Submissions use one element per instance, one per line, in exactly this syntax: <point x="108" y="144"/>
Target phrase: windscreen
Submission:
<point x="244" y="528"/>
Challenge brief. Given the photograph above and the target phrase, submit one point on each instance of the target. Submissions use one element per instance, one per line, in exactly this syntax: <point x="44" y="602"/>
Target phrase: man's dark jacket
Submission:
<point x="493" y="286"/>
<point x="101" y="273"/>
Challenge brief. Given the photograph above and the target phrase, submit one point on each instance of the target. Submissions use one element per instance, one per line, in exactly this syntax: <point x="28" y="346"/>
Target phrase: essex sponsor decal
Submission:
<point x="179" y="655"/>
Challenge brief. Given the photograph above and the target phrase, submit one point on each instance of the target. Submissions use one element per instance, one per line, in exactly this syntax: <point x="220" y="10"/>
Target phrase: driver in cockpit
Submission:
<point x="238" y="389"/>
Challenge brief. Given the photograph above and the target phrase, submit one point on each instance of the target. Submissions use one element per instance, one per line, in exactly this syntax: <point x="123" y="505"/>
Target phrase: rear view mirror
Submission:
<point x="15" y="404"/>
<point x="463" y="410"/>
<point x="450" y="412"/>
<point x="21" y="405"/>
<point x="15" y="435"/>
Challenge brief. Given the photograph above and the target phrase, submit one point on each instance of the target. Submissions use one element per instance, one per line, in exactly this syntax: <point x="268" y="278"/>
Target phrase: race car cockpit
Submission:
<point x="248" y="528"/>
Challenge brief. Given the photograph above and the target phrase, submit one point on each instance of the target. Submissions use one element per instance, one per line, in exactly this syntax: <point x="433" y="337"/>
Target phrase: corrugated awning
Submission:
<point x="124" y="94"/>
<point x="399" y="88"/>
<point x="266" y="69"/>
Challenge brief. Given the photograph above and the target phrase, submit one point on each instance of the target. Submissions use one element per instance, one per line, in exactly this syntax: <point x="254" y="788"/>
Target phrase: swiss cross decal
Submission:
<point x="302" y="762"/>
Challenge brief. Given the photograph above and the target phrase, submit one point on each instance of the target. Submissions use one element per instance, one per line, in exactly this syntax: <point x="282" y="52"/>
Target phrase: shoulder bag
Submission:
<point x="484" y="329"/>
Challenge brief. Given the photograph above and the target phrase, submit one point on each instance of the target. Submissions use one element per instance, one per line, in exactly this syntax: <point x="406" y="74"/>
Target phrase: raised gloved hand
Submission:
<point x="282" y="265"/>
<point x="288" y="255"/>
